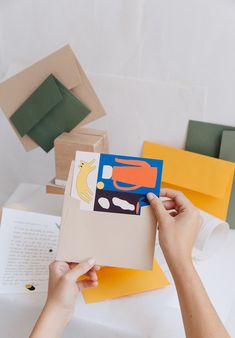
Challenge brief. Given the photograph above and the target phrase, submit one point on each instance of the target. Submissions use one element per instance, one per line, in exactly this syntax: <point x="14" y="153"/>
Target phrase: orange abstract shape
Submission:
<point x="138" y="174"/>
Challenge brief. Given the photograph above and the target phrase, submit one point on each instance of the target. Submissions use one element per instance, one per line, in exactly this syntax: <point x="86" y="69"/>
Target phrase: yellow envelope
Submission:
<point x="206" y="181"/>
<point x="116" y="282"/>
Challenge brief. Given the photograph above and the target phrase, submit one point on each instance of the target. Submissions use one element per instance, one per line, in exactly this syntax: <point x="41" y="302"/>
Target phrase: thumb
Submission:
<point x="157" y="206"/>
<point x="81" y="269"/>
<point x="58" y="269"/>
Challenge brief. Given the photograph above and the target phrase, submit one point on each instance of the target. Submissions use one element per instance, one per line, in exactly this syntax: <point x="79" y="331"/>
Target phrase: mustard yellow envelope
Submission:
<point x="206" y="181"/>
<point x="116" y="282"/>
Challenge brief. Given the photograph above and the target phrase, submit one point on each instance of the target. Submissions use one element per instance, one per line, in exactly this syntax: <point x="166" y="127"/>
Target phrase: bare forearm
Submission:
<point x="199" y="316"/>
<point x="49" y="324"/>
<point x="177" y="234"/>
<point x="63" y="290"/>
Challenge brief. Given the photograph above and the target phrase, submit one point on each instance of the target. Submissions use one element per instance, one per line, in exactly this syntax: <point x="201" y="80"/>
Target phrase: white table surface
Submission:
<point x="151" y="314"/>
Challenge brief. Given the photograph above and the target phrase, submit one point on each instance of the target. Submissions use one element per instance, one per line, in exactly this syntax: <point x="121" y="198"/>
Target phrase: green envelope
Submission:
<point x="218" y="141"/>
<point x="205" y="138"/>
<point x="51" y="110"/>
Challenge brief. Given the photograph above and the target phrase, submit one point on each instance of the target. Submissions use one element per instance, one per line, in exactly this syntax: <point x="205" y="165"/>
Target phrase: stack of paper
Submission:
<point x="205" y="180"/>
<point x="217" y="141"/>
<point x="48" y="98"/>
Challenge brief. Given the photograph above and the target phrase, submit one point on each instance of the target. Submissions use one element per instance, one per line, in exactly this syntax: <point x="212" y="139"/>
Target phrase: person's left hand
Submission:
<point x="63" y="289"/>
<point x="65" y="285"/>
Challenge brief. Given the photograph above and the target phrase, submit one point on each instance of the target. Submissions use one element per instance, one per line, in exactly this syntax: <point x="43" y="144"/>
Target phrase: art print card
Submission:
<point x="115" y="183"/>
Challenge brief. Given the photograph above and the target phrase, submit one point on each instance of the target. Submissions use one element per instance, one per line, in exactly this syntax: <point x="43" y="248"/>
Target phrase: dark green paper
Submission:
<point x="227" y="153"/>
<point x="205" y="138"/>
<point x="215" y="140"/>
<point x="51" y="110"/>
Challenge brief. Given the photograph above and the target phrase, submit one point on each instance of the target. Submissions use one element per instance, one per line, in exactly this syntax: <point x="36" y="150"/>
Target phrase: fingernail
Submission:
<point x="151" y="196"/>
<point x="91" y="261"/>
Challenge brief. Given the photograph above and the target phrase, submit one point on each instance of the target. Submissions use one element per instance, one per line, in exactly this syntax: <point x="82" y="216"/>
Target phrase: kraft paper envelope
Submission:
<point x="51" y="110"/>
<point x="118" y="240"/>
<point x="116" y="282"/>
<point x="218" y="141"/>
<point x="64" y="65"/>
<point x="205" y="180"/>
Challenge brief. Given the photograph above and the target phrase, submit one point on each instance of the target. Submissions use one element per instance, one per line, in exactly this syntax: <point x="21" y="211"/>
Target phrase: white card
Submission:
<point x="85" y="178"/>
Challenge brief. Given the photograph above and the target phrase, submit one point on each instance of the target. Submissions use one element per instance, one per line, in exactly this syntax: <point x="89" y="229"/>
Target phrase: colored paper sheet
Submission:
<point x="227" y="152"/>
<point x="205" y="138"/>
<point x="115" y="183"/>
<point x="51" y="110"/>
<point x="116" y="282"/>
<point x="205" y="180"/>
<point x="214" y="140"/>
<point x="227" y="148"/>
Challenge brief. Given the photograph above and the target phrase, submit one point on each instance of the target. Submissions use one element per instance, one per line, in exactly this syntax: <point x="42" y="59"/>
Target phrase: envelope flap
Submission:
<point x="43" y="99"/>
<point x="200" y="173"/>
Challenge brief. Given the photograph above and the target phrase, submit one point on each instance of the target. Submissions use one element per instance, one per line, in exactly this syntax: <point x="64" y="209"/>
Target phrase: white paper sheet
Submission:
<point x="28" y="244"/>
<point x="33" y="197"/>
<point x="90" y="163"/>
<point x="212" y="236"/>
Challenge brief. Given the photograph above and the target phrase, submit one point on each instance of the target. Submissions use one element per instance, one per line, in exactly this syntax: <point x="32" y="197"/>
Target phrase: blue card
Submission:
<point x="115" y="183"/>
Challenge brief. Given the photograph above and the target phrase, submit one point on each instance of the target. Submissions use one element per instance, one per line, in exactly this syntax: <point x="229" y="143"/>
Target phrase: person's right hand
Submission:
<point x="177" y="229"/>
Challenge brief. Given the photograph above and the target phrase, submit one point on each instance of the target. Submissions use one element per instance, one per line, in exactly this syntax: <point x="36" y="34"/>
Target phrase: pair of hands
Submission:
<point x="178" y="224"/>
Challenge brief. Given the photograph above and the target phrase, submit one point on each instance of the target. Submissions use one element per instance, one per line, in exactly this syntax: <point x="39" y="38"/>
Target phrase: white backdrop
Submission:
<point x="154" y="64"/>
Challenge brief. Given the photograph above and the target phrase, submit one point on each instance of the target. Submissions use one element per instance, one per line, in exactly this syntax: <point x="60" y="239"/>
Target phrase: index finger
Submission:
<point x="181" y="201"/>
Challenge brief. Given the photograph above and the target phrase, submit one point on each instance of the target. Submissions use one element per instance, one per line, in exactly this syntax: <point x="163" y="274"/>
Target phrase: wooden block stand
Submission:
<point x="67" y="144"/>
